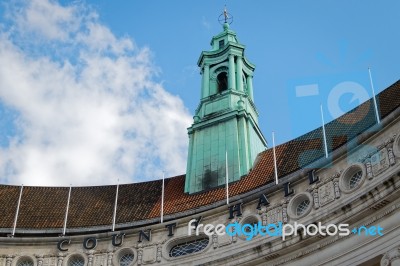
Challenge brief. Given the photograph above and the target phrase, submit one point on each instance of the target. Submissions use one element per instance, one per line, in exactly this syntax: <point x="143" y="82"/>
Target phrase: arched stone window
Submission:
<point x="355" y="179"/>
<point x="25" y="261"/>
<point x="189" y="247"/>
<point x="126" y="259"/>
<point x="300" y="205"/>
<point x="248" y="225"/>
<point x="222" y="81"/>
<point x="76" y="260"/>
<point x="251" y="220"/>
<point x="396" y="146"/>
<point x="352" y="178"/>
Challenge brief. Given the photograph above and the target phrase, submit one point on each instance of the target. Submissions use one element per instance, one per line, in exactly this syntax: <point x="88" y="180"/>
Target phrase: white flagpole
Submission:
<point x="373" y="95"/>
<point x="162" y="199"/>
<point x="273" y="149"/>
<point x="323" y="132"/>
<point x="67" y="210"/>
<point x="115" y="207"/>
<point x="226" y="177"/>
<point x="16" y="214"/>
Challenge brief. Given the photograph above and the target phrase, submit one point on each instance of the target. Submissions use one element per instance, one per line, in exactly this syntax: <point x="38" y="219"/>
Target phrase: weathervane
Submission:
<point x="225" y="17"/>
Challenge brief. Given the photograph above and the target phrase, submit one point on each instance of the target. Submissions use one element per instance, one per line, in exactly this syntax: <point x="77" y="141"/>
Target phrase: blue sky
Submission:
<point x="289" y="41"/>
<point x="105" y="89"/>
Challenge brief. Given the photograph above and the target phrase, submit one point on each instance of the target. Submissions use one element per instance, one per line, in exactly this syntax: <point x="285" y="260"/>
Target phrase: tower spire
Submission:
<point x="225" y="14"/>
<point x="226" y="121"/>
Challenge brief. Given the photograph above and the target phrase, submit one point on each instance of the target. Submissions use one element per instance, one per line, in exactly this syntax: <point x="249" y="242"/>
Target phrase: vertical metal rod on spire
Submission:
<point x="162" y="197"/>
<point x="373" y="95"/>
<point x="324" y="133"/>
<point x="227" y="177"/>
<point x="16" y="214"/>
<point x="115" y="207"/>
<point x="225" y="14"/>
<point x="66" y="211"/>
<point x="275" y="166"/>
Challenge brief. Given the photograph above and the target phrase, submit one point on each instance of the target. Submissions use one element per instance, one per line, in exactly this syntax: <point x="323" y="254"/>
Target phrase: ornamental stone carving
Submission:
<point x="140" y="256"/>
<point x="149" y="254"/>
<point x="220" y="241"/>
<point x="9" y="260"/>
<point x="380" y="161"/>
<point x="39" y="260"/>
<point x="391" y="258"/>
<point x="90" y="258"/>
<point x="274" y="215"/>
<point x="392" y="160"/>
<point x="336" y="187"/>
<point x="263" y="218"/>
<point x="215" y="240"/>
<point x="159" y="253"/>
<point x="109" y="258"/>
<point x="99" y="259"/>
<point x="284" y="213"/>
<point x="315" y="193"/>
<point x="224" y="240"/>
<point x="234" y="238"/>
<point x="60" y="259"/>
<point x="49" y="261"/>
<point x="326" y="194"/>
<point x="235" y="220"/>
<point x="396" y="146"/>
<point x="368" y="166"/>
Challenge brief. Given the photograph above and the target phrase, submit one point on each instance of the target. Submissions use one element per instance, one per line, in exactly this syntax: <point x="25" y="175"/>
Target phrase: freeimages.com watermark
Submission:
<point x="249" y="231"/>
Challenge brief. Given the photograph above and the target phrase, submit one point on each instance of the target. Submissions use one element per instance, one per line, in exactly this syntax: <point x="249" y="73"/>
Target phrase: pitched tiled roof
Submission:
<point x="44" y="207"/>
<point x="8" y="204"/>
<point x="90" y="206"/>
<point x="36" y="203"/>
<point x="136" y="201"/>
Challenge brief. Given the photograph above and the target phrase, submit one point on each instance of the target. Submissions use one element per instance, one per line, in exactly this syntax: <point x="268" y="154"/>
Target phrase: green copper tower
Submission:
<point x="226" y="120"/>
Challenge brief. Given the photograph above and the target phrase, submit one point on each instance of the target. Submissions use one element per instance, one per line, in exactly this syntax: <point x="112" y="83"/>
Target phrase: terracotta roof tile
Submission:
<point x="91" y="206"/>
<point x="137" y="200"/>
<point x="8" y="205"/>
<point x="47" y="200"/>
<point x="389" y="99"/>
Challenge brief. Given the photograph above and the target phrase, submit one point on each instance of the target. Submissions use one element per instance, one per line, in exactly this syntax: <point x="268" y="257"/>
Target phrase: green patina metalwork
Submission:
<point x="226" y="119"/>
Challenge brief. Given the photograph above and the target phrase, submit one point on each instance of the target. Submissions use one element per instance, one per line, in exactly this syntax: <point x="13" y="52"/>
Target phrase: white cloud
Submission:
<point x="90" y="117"/>
<point x="46" y="18"/>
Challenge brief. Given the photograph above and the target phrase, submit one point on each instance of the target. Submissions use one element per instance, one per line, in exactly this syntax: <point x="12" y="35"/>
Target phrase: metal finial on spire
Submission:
<point x="225" y="17"/>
